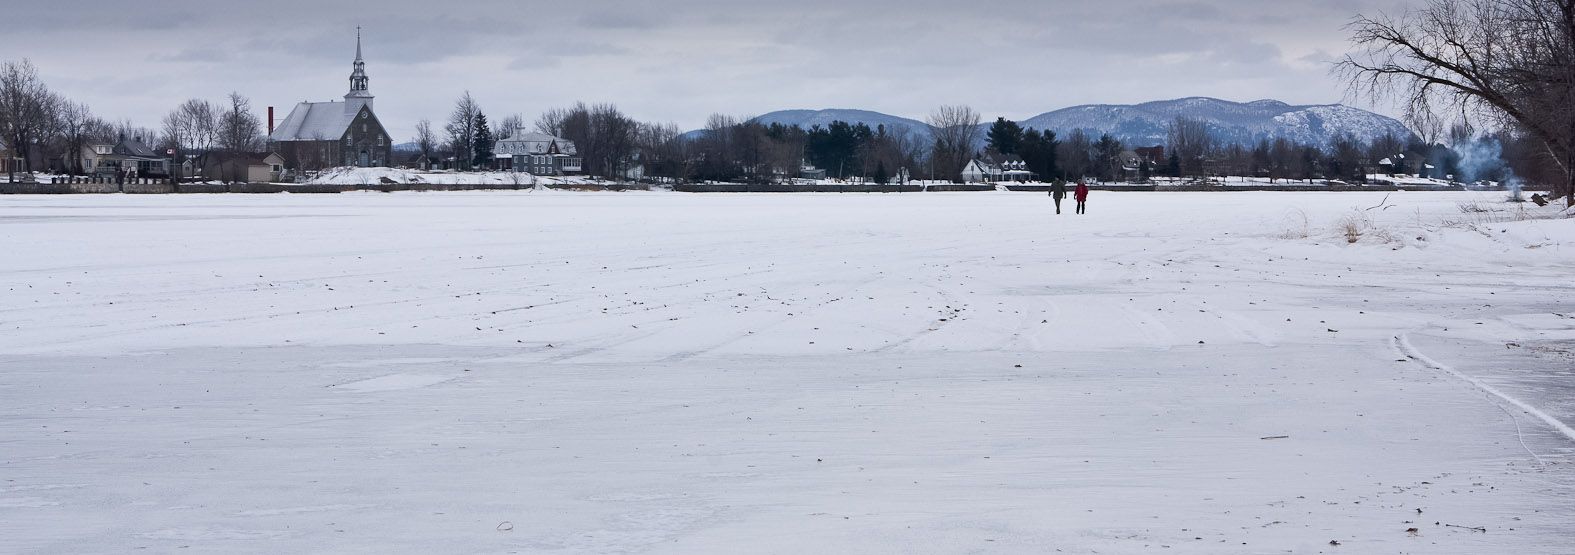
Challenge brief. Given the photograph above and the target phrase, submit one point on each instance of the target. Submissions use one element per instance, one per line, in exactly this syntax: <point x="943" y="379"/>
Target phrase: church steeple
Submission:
<point x="359" y="95"/>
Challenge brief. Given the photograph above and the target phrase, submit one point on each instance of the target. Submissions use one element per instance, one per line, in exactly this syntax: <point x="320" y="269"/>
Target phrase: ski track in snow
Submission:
<point x="1404" y="346"/>
<point x="672" y="373"/>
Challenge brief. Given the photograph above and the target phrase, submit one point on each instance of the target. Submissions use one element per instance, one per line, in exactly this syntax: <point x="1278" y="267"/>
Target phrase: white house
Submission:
<point x="991" y="168"/>
<point x="128" y="154"/>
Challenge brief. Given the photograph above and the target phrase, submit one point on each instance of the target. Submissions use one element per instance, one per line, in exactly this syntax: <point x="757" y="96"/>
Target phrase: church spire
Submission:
<point x="359" y="95"/>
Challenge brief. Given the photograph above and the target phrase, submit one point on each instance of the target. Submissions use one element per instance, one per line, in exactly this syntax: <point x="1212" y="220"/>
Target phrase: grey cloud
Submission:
<point x="533" y="63"/>
<point x="195" y="55"/>
<point x="621" y="20"/>
<point x="1194" y="11"/>
<point x="694" y="57"/>
<point x="1319" y="57"/>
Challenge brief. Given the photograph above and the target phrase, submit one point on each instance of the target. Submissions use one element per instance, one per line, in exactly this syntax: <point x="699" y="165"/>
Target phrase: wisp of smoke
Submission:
<point x="1480" y="160"/>
<point x="1483" y="160"/>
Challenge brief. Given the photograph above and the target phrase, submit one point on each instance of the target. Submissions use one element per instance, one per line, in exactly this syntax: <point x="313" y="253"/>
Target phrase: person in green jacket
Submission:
<point x="1058" y="192"/>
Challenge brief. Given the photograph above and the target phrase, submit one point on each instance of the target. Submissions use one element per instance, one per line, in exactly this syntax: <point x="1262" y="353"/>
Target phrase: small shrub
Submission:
<point x="1296" y="224"/>
<point x="1354" y="225"/>
<point x="1473" y="207"/>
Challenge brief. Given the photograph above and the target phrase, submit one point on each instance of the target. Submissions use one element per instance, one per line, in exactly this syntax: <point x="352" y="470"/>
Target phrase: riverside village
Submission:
<point x="1213" y="277"/>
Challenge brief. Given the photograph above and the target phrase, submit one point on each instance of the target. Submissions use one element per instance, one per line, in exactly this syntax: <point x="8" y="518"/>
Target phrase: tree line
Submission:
<point x="1476" y="75"/>
<point x="46" y="130"/>
<point x="745" y="150"/>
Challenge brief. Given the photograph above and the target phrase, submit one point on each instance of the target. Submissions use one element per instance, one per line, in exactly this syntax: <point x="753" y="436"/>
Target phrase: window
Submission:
<point x="379" y="140"/>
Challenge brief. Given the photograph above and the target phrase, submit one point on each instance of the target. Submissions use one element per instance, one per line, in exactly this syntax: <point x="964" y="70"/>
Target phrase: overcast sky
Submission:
<point x="682" y="60"/>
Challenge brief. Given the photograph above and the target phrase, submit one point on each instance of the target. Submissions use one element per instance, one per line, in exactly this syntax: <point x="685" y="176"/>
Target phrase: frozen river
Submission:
<point x="547" y="372"/>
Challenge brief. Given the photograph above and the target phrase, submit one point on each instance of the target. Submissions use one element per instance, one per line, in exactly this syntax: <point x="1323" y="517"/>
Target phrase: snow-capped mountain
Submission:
<point x="1145" y="124"/>
<point x="1230" y="122"/>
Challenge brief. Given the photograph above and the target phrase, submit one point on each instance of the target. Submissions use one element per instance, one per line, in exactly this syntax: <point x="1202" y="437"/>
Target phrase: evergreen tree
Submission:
<point x="1004" y="136"/>
<point x="880" y="173"/>
<point x="481" y="143"/>
<point x="1173" y="167"/>
<point x="1038" y="152"/>
<point x="1108" y="158"/>
<point x="835" y="148"/>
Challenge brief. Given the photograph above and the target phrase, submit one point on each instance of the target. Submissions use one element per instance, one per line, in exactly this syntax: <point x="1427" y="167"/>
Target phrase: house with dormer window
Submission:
<point x="992" y="167"/>
<point x="128" y="155"/>
<point x="536" y="154"/>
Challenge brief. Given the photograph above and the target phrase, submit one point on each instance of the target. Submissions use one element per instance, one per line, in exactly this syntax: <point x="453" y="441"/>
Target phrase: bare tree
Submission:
<point x="239" y="129"/>
<point x="713" y="150"/>
<point x="126" y="128"/>
<point x="1345" y="158"/>
<point x="1189" y="139"/>
<point x="1512" y="61"/>
<point x="462" y="128"/>
<point x="604" y="137"/>
<point x="425" y="140"/>
<point x="192" y="130"/>
<point x="26" y="110"/>
<point x="662" y="150"/>
<point x="888" y="148"/>
<point x="1075" y="154"/>
<point x="551" y="121"/>
<point x="507" y="127"/>
<point x="613" y="140"/>
<point x="76" y="127"/>
<point x="956" y="129"/>
<point x="176" y="135"/>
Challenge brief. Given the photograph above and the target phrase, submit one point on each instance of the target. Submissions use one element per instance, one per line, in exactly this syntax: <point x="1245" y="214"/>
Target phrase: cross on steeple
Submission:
<point x="359" y="95"/>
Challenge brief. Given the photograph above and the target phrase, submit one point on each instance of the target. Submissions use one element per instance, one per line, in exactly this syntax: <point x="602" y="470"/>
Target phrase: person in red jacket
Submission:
<point x="1081" y="195"/>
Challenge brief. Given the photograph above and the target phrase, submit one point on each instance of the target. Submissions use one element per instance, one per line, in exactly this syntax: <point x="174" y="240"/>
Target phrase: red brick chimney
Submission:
<point x="270" y="121"/>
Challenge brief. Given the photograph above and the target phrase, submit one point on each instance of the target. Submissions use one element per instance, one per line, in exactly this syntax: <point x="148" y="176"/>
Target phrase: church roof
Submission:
<point x="314" y="121"/>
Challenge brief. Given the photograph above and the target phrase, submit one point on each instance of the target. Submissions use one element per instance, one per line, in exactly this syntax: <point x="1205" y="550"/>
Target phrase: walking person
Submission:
<point x="1081" y="195"/>
<point x="1058" y="192"/>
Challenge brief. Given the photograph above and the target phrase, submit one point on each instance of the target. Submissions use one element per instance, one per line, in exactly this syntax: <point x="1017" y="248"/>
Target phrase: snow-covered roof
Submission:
<point x="314" y="121"/>
<point x="134" y="147"/>
<point x="533" y="143"/>
<point x="531" y="136"/>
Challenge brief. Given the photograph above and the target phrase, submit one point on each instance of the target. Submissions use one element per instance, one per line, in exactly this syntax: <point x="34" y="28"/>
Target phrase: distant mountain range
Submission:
<point x="1231" y="122"/>
<point x="1145" y="124"/>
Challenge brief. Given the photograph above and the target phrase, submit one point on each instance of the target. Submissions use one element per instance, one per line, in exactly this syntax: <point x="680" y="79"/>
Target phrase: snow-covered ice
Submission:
<point x="550" y="372"/>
